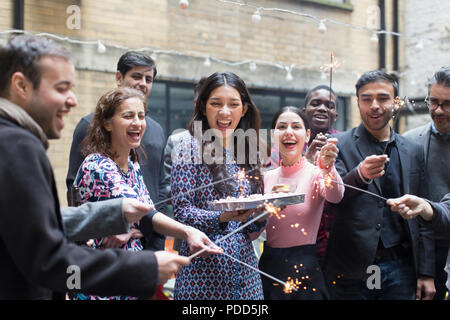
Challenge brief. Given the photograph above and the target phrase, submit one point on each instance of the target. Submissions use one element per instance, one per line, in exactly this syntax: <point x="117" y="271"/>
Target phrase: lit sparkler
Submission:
<point x="241" y="177"/>
<point x="231" y="233"/>
<point x="273" y="210"/>
<point x="270" y="209"/>
<point x="261" y="272"/>
<point x="329" y="178"/>
<point x="290" y="285"/>
<point x="331" y="67"/>
<point x="397" y="106"/>
<point x="202" y="187"/>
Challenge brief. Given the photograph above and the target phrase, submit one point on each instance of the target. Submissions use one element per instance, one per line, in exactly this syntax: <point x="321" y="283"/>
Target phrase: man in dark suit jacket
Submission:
<point x="135" y="70"/>
<point x="435" y="139"/>
<point x="365" y="232"/>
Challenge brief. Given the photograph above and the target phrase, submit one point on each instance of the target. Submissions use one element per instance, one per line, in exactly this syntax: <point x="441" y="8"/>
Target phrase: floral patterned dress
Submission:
<point x="216" y="277"/>
<point x="100" y="178"/>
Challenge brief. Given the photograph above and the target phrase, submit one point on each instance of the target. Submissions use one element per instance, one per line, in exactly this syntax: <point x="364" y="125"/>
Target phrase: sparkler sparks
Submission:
<point x="203" y="187"/>
<point x="397" y="106"/>
<point x="399" y="103"/>
<point x="332" y="66"/>
<point x="241" y="177"/>
<point x="328" y="179"/>
<point x="273" y="210"/>
<point x="291" y="285"/>
<point x="257" y="270"/>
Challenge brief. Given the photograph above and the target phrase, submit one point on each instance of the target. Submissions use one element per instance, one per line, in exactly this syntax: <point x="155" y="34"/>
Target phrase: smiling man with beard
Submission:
<point x="365" y="231"/>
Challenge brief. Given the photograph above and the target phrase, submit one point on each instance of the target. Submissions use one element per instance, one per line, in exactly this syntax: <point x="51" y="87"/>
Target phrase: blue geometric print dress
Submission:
<point x="216" y="277"/>
<point x="100" y="178"/>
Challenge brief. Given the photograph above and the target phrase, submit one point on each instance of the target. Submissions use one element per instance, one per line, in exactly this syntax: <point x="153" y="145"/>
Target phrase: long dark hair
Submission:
<point x="98" y="139"/>
<point x="251" y="120"/>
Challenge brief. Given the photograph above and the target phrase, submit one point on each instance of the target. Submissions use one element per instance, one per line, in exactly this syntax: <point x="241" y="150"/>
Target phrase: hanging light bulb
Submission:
<point x="374" y="38"/>
<point x="256" y="17"/>
<point x="183" y="4"/>
<point x="252" y="66"/>
<point x="419" y="45"/>
<point x="322" y="27"/>
<point x="207" y="63"/>
<point x="289" y="76"/>
<point x="100" y="47"/>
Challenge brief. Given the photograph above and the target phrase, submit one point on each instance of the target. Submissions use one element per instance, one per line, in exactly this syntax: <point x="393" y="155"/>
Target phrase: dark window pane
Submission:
<point x="181" y="106"/>
<point x="298" y="101"/>
<point x="157" y="104"/>
<point x="267" y="104"/>
<point x="341" y="122"/>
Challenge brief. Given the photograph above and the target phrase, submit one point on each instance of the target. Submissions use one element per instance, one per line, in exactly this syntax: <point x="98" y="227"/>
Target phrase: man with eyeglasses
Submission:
<point x="366" y="235"/>
<point x="435" y="138"/>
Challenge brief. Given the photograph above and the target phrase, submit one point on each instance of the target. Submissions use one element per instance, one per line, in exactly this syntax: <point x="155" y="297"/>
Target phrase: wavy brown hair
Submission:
<point x="98" y="139"/>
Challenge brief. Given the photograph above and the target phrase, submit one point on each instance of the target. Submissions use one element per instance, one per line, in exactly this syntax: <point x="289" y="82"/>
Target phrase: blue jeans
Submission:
<point x="398" y="282"/>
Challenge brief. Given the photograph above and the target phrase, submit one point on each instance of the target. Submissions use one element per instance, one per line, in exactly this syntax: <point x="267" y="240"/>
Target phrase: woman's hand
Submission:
<point x="328" y="154"/>
<point x="238" y="215"/>
<point x="197" y="241"/>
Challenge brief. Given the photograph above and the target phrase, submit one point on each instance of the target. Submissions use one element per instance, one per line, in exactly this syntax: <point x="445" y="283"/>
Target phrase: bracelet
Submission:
<point x="361" y="176"/>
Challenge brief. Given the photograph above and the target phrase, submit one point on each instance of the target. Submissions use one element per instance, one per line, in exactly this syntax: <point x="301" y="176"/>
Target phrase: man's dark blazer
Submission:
<point x="356" y="230"/>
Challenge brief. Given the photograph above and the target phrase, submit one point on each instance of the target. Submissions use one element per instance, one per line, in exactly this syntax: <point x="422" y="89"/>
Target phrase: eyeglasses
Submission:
<point x="433" y="104"/>
<point x="317" y="103"/>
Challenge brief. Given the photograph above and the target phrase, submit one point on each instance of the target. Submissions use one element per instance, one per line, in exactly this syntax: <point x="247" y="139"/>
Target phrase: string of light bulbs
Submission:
<point x="322" y="22"/>
<point x="252" y="63"/>
<point x="102" y="48"/>
<point x="322" y="27"/>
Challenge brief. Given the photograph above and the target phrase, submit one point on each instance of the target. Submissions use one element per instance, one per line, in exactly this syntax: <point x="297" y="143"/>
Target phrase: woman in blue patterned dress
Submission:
<point x="223" y="105"/>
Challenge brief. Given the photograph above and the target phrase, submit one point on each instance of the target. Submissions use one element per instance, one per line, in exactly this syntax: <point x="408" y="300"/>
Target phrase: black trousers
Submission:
<point x="298" y="266"/>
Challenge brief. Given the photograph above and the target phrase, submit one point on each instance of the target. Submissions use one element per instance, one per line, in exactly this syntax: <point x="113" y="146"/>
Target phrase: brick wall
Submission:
<point x="429" y="20"/>
<point x="207" y="26"/>
<point x="6" y="11"/>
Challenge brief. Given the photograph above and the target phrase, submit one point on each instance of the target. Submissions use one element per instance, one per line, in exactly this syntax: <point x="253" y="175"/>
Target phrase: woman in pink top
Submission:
<point x="290" y="252"/>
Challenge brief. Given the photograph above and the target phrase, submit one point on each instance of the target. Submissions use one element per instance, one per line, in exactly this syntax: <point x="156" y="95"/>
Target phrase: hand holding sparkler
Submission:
<point x="316" y="145"/>
<point x="372" y="167"/>
<point x="198" y="241"/>
<point x="409" y="206"/>
<point x="328" y="154"/>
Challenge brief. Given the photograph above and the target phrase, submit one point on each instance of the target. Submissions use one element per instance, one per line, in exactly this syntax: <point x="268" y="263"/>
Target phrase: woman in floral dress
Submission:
<point x="111" y="168"/>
